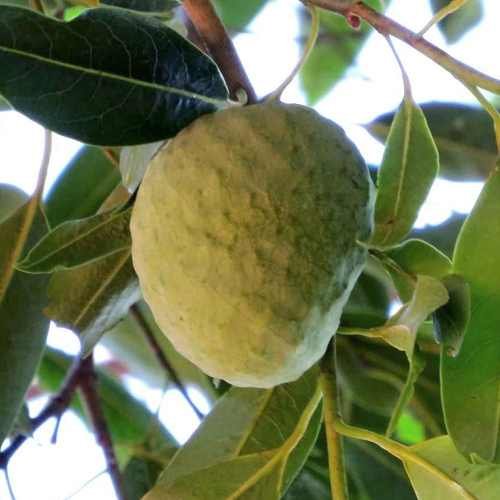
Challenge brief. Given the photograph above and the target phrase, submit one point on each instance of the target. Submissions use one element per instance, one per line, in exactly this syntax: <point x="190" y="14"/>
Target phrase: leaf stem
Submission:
<point x="310" y="44"/>
<point x="328" y="383"/>
<point x="219" y="44"/>
<point x="387" y="26"/>
<point x="402" y="452"/>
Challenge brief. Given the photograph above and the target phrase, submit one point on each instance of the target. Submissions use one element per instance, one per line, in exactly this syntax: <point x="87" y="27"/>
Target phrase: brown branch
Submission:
<point x="55" y="408"/>
<point x="387" y="26"/>
<point x="88" y="386"/>
<point x="220" y="46"/>
<point x="137" y="314"/>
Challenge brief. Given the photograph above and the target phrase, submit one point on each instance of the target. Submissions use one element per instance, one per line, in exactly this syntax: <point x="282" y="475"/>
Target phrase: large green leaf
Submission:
<point x="237" y="14"/>
<point x="458" y="23"/>
<point x="23" y="326"/>
<point x="244" y="447"/>
<point x="79" y="242"/>
<point x="82" y="187"/>
<point x="337" y="46"/>
<point x="91" y="299"/>
<point x="124" y="78"/>
<point x="11" y="199"/>
<point x="464" y="137"/>
<point x="481" y="482"/>
<point x="471" y="381"/>
<point x="408" y="169"/>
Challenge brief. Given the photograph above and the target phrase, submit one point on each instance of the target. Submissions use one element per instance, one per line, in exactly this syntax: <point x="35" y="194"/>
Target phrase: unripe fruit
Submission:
<point x="245" y="239"/>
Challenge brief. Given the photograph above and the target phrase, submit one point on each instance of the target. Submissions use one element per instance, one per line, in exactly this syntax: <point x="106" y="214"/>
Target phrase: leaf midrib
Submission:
<point x="113" y="76"/>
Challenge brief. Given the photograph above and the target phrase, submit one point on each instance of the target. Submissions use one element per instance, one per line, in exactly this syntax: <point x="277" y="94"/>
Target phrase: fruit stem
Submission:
<point x="328" y="383"/>
<point x="216" y="39"/>
<point x="311" y="42"/>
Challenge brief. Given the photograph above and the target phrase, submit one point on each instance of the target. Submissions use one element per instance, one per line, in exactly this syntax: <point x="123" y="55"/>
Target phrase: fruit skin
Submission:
<point x="244" y="239"/>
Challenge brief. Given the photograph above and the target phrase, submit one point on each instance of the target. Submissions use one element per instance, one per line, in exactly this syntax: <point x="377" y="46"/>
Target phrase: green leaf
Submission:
<point x="164" y="7"/>
<point x="408" y="169"/>
<point x="459" y="22"/>
<point x="309" y="487"/>
<point x="134" y="161"/>
<point x="139" y="87"/>
<point x="414" y="257"/>
<point x="4" y="105"/>
<point x="464" y="137"/>
<point x="134" y="429"/>
<point x="452" y="319"/>
<point x="11" y="199"/>
<point x="139" y="476"/>
<point x="237" y="14"/>
<point x="481" y="482"/>
<point x="375" y="473"/>
<point x="442" y="236"/>
<point x="400" y="331"/>
<point x="471" y="380"/>
<point x="24" y="327"/>
<point x="91" y="299"/>
<point x="334" y="53"/>
<point x="244" y="446"/>
<point x="78" y="242"/>
<point x="82" y="187"/>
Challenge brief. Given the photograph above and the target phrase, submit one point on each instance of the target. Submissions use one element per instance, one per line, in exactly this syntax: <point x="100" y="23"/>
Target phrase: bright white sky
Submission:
<point x="46" y="472"/>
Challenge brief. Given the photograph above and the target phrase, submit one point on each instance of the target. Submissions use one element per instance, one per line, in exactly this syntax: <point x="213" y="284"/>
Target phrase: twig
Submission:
<point x="56" y="406"/>
<point x="219" y="45"/>
<point x="387" y="26"/>
<point x="88" y="386"/>
<point x="328" y="382"/>
<point x="137" y="314"/>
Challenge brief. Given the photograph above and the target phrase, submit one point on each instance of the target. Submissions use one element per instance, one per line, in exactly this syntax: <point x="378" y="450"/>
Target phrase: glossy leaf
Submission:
<point x="134" y="161"/>
<point x="307" y="486"/>
<point x="244" y="446"/>
<point x="463" y="134"/>
<point x="414" y="257"/>
<point x="408" y="169"/>
<point x="471" y="380"/>
<point x="78" y="242"/>
<point x="478" y="481"/>
<point x="91" y="299"/>
<point x="237" y="14"/>
<point x="139" y="476"/>
<point x="137" y="77"/>
<point x="452" y="319"/>
<point x="459" y="22"/>
<point x="23" y="326"/>
<point x="82" y="187"/>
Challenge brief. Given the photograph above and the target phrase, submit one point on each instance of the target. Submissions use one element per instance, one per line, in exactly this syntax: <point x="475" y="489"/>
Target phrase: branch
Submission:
<point x="219" y="45"/>
<point x="55" y="408"/>
<point x="328" y="382"/>
<point x="137" y="314"/>
<point x="88" y="386"/>
<point x="387" y="26"/>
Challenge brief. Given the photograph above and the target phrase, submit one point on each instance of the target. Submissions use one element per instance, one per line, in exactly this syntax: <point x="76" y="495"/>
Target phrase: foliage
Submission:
<point x="405" y="402"/>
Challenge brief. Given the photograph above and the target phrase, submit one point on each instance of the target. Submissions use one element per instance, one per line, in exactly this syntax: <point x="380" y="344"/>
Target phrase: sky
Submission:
<point x="268" y="51"/>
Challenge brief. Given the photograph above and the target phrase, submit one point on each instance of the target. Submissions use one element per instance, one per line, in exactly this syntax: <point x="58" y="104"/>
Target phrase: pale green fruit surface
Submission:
<point x="244" y="239"/>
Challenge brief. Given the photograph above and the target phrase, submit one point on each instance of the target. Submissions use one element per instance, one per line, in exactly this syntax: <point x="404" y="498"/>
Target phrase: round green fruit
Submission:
<point x="245" y="239"/>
